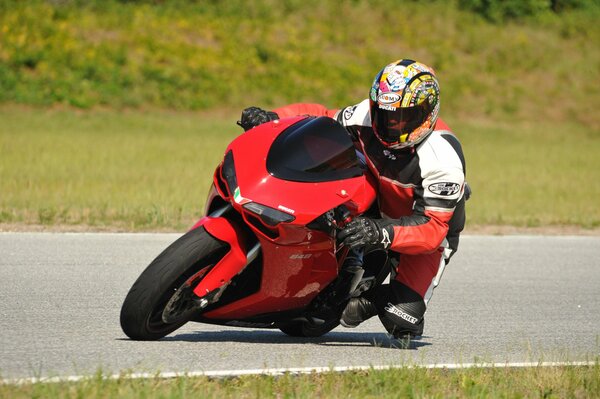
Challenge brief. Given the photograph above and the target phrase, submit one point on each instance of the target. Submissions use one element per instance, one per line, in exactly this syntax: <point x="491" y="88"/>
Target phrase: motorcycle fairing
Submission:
<point x="273" y="212"/>
<point x="232" y="263"/>
<point x="302" y="199"/>
<point x="293" y="275"/>
<point x="297" y="262"/>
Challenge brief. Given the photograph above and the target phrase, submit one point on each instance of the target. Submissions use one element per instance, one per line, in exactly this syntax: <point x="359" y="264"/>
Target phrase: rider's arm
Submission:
<point x="435" y="200"/>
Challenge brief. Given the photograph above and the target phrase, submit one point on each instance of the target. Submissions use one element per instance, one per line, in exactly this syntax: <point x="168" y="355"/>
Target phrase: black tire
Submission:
<point x="141" y="313"/>
<point x="306" y="329"/>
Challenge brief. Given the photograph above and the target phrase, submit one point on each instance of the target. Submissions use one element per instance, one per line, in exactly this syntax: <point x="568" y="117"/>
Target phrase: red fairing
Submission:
<point x="292" y="276"/>
<point x="441" y="125"/>
<point x="307" y="271"/>
<point x="305" y="109"/>
<point x="231" y="264"/>
<point x="298" y="262"/>
<point x="296" y="198"/>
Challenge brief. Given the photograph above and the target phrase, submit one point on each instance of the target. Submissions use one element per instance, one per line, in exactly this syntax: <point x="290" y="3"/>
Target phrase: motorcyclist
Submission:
<point x="420" y="169"/>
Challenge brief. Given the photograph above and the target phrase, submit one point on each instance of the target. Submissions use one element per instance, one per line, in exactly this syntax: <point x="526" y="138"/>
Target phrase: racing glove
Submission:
<point x="363" y="231"/>
<point x="254" y="116"/>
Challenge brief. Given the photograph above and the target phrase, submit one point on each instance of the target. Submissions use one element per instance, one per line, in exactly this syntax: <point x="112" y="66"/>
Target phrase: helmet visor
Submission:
<point x="395" y="126"/>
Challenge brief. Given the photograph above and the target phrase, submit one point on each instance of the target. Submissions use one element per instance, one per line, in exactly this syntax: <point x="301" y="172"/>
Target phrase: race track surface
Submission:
<point x="502" y="299"/>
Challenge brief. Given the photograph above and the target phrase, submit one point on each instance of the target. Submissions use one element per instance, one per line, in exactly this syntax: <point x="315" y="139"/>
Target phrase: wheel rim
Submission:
<point x="176" y="306"/>
<point x="182" y="302"/>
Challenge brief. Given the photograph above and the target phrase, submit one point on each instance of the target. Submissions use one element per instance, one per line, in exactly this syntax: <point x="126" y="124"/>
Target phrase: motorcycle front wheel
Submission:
<point x="160" y="301"/>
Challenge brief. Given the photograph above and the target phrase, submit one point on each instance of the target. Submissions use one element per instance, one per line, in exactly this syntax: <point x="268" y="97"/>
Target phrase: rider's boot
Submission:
<point x="400" y="310"/>
<point x="349" y="277"/>
<point x="357" y="310"/>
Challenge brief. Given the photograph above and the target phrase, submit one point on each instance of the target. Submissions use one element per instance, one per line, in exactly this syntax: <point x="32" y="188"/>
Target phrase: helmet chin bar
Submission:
<point x="407" y="142"/>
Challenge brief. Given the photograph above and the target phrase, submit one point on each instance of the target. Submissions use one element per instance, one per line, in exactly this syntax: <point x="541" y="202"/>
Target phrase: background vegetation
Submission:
<point x="199" y="55"/>
<point x="114" y="113"/>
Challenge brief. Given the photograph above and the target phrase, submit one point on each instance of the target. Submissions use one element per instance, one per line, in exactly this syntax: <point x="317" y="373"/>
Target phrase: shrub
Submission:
<point x="500" y="10"/>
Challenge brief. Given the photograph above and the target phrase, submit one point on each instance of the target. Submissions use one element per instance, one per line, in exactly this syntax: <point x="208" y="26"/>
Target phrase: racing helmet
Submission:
<point x="404" y="103"/>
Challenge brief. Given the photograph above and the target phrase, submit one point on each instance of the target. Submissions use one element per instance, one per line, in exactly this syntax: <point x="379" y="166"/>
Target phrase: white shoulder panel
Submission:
<point x="356" y="115"/>
<point x="441" y="168"/>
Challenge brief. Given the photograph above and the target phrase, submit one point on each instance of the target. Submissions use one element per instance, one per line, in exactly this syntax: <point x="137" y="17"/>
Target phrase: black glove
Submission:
<point x="364" y="231"/>
<point x="254" y="116"/>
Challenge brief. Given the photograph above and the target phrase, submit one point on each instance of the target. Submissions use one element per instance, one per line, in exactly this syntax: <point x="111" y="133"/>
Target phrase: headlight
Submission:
<point x="269" y="216"/>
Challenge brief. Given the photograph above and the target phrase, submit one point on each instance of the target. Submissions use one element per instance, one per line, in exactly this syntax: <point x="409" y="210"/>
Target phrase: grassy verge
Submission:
<point x="151" y="170"/>
<point x="544" y="382"/>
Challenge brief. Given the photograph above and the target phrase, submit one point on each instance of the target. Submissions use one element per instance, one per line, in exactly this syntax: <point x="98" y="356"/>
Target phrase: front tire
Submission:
<point x="188" y="258"/>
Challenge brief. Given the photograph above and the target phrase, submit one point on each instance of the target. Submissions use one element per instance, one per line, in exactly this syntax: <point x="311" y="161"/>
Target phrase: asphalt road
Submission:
<point x="502" y="299"/>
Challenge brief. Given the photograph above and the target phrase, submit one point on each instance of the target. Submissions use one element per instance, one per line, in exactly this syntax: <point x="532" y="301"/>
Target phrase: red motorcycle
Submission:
<point x="266" y="253"/>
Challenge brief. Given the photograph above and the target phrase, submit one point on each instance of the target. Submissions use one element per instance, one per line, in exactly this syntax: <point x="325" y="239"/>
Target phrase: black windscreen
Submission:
<point x="313" y="150"/>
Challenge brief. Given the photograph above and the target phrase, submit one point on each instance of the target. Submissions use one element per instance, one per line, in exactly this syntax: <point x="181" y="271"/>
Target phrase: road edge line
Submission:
<point x="215" y="374"/>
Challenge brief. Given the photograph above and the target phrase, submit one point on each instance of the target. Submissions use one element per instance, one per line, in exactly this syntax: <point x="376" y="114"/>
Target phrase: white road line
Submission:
<point x="293" y="371"/>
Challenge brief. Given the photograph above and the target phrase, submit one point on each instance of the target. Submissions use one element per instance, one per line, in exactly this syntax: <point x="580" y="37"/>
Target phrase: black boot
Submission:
<point x="357" y="310"/>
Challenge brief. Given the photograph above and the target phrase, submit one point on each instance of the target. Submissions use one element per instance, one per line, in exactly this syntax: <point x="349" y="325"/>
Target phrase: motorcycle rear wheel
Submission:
<point x="193" y="254"/>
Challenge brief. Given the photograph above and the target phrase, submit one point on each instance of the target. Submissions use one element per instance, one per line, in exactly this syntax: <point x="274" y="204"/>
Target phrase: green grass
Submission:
<point x="125" y="170"/>
<point x="151" y="170"/>
<point x="542" y="382"/>
<point x="200" y="55"/>
<point x="531" y="175"/>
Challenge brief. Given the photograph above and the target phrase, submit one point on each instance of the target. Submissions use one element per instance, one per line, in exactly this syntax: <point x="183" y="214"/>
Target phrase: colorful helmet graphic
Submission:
<point x="404" y="103"/>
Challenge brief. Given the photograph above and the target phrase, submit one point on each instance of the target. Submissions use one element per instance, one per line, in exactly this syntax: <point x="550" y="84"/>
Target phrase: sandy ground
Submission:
<point x="471" y="230"/>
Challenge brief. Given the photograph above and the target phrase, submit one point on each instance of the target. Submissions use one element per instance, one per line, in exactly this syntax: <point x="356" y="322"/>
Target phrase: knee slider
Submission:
<point x="400" y="309"/>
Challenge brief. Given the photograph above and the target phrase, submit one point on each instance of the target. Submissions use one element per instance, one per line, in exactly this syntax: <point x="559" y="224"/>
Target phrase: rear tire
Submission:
<point x="195" y="253"/>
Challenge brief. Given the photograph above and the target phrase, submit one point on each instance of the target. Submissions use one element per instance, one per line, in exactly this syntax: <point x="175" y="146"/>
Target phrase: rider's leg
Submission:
<point x="402" y="303"/>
